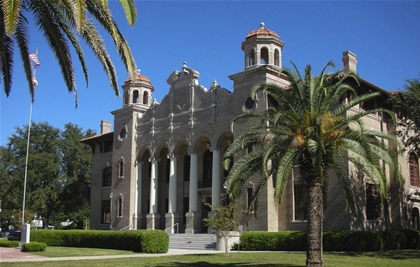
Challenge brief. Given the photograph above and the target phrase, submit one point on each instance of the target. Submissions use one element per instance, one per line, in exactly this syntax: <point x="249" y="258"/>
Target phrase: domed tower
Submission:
<point x="262" y="47"/>
<point x="137" y="99"/>
<point x="138" y="92"/>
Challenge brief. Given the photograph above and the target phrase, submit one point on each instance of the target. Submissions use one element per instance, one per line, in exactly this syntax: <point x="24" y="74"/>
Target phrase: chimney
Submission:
<point x="105" y="127"/>
<point x="350" y="62"/>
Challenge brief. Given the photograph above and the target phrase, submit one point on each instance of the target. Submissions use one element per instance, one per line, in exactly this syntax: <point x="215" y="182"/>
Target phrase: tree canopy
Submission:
<point x="63" y="23"/>
<point x="407" y="106"/>
<point x="306" y="127"/>
<point x="58" y="179"/>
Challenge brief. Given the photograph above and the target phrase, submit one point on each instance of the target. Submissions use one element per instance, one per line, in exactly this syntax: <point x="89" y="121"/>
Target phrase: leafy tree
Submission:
<point x="305" y="126"/>
<point x="76" y="159"/>
<point x="407" y="105"/>
<point x="224" y="221"/>
<point x="62" y="23"/>
<point x="58" y="178"/>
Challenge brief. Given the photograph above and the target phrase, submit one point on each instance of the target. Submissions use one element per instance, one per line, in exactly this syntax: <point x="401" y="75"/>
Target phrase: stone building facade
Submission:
<point x="163" y="161"/>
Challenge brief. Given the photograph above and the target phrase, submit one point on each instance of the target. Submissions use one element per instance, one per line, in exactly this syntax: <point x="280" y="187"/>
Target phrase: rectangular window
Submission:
<point x="414" y="170"/>
<point x="300" y="202"/>
<point x="107" y="177"/>
<point x="373" y="202"/>
<point x="249" y="198"/>
<point x="106" y="211"/>
<point x="120" y="207"/>
<point x="121" y="169"/>
<point x="108" y="146"/>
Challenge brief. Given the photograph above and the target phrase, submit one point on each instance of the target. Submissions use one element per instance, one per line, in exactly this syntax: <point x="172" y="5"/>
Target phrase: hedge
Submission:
<point x="146" y="241"/>
<point x="9" y="244"/>
<point x="332" y="241"/>
<point x="34" y="247"/>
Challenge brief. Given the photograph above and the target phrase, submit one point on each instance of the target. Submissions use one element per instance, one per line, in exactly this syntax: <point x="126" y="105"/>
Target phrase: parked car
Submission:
<point x="15" y="235"/>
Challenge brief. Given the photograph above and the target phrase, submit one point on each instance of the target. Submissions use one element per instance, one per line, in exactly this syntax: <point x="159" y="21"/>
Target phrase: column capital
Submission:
<point x="172" y="155"/>
<point x="154" y="159"/>
<point x="214" y="149"/>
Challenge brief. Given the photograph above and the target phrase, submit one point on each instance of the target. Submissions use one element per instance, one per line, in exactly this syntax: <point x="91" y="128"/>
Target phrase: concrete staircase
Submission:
<point x="192" y="241"/>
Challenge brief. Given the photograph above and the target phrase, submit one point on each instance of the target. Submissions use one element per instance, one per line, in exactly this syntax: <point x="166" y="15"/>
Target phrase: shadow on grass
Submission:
<point x="395" y="255"/>
<point x="221" y="264"/>
<point x="207" y="264"/>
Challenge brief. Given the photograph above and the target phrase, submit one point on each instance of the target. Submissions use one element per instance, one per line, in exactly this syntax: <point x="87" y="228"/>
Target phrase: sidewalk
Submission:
<point x="15" y="255"/>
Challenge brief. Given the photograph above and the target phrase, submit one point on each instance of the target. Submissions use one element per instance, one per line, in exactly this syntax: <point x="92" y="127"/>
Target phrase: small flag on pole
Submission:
<point x="34" y="58"/>
<point x="34" y="81"/>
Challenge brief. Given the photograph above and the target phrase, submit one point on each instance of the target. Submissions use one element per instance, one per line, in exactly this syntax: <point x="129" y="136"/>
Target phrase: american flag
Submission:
<point x="34" y="58"/>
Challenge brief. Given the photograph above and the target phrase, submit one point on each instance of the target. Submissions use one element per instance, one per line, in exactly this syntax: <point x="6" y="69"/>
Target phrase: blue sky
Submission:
<point x="208" y="35"/>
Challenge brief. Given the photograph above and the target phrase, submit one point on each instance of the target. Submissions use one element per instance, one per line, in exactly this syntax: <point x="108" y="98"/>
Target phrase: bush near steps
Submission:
<point x="144" y="241"/>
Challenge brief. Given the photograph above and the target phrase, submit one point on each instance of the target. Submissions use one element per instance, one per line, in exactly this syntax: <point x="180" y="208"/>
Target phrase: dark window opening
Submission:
<point x="186" y="206"/>
<point x="249" y="198"/>
<point x="207" y="168"/>
<point x="373" y="202"/>
<point x="301" y="202"/>
<point x="277" y="58"/>
<point x="145" y="98"/>
<point x="108" y="146"/>
<point x="120" y="207"/>
<point x="107" y="177"/>
<point x="121" y="169"/>
<point x="264" y="56"/>
<point x="187" y="163"/>
<point x="251" y="57"/>
<point x="414" y="170"/>
<point x="135" y="97"/>
<point x="106" y="211"/>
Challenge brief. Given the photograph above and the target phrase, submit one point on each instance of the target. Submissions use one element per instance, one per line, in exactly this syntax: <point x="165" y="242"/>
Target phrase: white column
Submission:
<point x="216" y="180"/>
<point x="172" y="183"/>
<point x="153" y="186"/>
<point x="193" y="183"/>
<point x="137" y="199"/>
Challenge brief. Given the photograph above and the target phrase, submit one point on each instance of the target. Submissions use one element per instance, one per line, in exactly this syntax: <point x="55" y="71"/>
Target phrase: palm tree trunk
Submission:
<point x="315" y="225"/>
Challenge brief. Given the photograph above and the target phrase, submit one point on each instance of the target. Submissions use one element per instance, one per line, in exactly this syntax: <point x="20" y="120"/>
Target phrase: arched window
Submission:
<point x="187" y="162"/>
<point x="207" y="168"/>
<point x="146" y="98"/>
<point x="120" y="206"/>
<point x="277" y="57"/>
<point x="121" y="168"/>
<point x="250" y="57"/>
<point x="135" y="96"/>
<point x="264" y="56"/>
<point x="414" y="169"/>
<point x="106" y="177"/>
<point x="373" y="202"/>
<point x="415" y="218"/>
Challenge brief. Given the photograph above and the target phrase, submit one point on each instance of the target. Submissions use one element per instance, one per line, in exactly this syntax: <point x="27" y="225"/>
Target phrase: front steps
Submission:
<point x="192" y="241"/>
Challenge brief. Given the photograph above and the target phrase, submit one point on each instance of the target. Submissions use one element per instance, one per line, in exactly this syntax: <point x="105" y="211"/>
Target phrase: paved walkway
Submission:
<point x="15" y="255"/>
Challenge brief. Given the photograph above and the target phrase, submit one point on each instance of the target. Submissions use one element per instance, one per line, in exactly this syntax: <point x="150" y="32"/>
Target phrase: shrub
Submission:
<point x="146" y="241"/>
<point x="412" y="238"/>
<point x="34" y="247"/>
<point x="9" y="244"/>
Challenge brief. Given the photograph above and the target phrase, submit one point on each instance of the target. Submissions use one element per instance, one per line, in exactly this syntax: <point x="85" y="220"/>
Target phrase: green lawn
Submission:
<point x="242" y="259"/>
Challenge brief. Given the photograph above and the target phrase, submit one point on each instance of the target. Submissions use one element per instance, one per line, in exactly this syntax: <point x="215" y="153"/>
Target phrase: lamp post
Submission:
<point x="110" y="210"/>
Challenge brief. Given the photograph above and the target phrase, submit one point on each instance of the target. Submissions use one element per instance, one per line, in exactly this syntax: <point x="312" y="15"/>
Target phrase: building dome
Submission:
<point x="139" y="77"/>
<point x="262" y="31"/>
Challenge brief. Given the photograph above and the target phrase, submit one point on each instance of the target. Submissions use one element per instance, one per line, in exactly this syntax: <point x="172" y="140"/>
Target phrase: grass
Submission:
<point x="241" y="259"/>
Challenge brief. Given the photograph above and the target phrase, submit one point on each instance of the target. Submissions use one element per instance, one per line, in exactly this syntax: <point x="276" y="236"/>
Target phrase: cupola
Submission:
<point x="138" y="91"/>
<point x="262" y="47"/>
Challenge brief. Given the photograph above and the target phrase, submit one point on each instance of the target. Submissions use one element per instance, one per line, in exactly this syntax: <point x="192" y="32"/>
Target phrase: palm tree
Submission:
<point x="307" y="127"/>
<point x="63" y="22"/>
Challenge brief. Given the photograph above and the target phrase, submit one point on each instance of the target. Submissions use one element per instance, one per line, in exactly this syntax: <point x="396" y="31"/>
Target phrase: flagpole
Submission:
<point x="27" y="150"/>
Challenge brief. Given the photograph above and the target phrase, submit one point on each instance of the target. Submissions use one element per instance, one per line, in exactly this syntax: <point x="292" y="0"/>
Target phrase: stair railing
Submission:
<point x="172" y="227"/>
<point x="125" y="228"/>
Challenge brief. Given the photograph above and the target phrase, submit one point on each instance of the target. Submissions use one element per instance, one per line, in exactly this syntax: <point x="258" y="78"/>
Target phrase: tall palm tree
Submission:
<point x="307" y="127"/>
<point x="62" y="22"/>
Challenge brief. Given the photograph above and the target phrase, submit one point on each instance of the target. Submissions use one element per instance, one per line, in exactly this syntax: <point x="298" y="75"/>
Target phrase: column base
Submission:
<point x="170" y="220"/>
<point x="136" y="223"/>
<point x="193" y="223"/>
<point x="152" y="221"/>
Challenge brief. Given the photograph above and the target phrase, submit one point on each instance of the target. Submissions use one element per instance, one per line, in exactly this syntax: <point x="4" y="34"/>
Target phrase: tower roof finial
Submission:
<point x="262" y="24"/>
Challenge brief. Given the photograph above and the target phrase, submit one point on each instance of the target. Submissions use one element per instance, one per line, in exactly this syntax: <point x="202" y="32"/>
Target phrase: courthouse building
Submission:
<point x="163" y="160"/>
